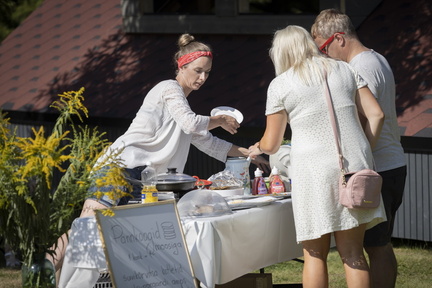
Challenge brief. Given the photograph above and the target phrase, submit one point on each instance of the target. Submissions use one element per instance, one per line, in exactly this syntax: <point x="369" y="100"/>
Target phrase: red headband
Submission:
<point x="187" y="58"/>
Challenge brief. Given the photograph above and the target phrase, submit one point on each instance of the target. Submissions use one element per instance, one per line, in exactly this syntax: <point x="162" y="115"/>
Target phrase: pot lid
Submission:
<point x="172" y="176"/>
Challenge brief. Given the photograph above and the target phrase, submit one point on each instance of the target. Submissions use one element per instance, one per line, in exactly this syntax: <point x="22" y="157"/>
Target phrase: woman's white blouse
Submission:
<point x="163" y="130"/>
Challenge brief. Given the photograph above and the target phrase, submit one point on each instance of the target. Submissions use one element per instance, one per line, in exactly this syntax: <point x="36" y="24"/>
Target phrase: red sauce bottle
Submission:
<point x="259" y="185"/>
<point x="276" y="183"/>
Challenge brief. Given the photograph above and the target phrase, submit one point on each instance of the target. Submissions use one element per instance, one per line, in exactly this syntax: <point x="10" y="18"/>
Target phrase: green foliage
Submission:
<point x="286" y="141"/>
<point x="13" y="12"/>
<point x="35" y="211"/>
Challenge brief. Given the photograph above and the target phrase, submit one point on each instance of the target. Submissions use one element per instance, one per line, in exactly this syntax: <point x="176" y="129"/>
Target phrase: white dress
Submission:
<point x="163" y="130"/>
<point x="314" y="160"/>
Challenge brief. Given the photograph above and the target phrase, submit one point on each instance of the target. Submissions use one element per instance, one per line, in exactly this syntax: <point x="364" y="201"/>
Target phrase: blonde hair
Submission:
<point x="294" y="48"/>
<point x="330" y="21"/>
<point x="187" y="44"/>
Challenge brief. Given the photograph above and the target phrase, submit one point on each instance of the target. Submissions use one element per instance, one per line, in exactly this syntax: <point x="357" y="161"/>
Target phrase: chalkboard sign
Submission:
<point x="145" y="246"/>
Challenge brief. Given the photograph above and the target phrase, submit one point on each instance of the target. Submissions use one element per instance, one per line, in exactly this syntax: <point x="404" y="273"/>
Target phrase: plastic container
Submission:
<point x="149" y="193"/>
<point x="276" y="183"/>
<point x="202" y="203"/>
<point x="239" y="167"/>
<point x="259" y="186"/>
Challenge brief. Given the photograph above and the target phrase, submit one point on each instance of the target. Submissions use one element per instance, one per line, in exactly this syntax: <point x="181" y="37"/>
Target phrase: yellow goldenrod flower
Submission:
<point x="45" y="178"/>
<point x="108" y="212"/>
<point x="71" y="103"/>
<point x="41" y="154"/>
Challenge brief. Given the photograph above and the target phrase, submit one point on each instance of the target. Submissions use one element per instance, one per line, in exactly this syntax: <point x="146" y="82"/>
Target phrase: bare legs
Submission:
<point x="383" y="266"/>
<point x="315" y="253"/>
<point x="60" y="246"/>
<point x="350" y="247"/>
<point x="349" y="244"/>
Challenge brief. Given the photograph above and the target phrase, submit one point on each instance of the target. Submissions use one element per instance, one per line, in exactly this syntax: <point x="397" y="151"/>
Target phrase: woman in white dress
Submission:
<point x="165" y="127"/>
<point x="297" y="96"/>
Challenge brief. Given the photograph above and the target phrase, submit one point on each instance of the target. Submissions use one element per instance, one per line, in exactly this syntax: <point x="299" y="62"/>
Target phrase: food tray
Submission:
<point x="237" y="204"/>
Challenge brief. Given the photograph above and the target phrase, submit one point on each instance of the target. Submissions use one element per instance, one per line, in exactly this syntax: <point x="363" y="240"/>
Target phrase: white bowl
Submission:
<point x="226" y="110"/>
<point x="229" y="192"/>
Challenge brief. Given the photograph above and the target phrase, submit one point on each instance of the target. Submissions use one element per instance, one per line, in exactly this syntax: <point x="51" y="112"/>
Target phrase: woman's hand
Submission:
<point x="254" y="151"/>
<point x="228" y="123"/>
<point x="259" y="161"/>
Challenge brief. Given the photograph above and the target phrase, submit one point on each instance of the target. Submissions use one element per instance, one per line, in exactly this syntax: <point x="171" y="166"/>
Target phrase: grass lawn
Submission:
<point x="414" y="259"/>
<point x="414" y="267"/>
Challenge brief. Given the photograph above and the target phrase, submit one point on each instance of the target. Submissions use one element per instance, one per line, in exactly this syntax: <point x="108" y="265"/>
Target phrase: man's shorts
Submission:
<point x="392" y="194"/>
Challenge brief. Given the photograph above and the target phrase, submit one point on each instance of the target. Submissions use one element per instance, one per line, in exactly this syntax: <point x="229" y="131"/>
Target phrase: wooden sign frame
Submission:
<point x="144" y="245"/>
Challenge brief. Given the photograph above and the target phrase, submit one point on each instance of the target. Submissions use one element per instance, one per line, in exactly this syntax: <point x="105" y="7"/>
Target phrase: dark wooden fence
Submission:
<point x="414" y="217"/>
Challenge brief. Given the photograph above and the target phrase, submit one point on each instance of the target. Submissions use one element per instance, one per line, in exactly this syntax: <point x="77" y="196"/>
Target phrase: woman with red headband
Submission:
<point x="165" y="126"/>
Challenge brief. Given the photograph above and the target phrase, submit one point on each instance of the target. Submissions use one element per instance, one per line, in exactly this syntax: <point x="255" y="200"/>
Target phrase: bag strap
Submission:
<point x="334" y="126"/>
<point x="333" y="122"/>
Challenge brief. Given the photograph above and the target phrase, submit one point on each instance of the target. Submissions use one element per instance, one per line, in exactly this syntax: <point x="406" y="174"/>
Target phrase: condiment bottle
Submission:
<point x="149" y="193"/>
<point x="276" y="183"/>
<point x="259" y="185"/>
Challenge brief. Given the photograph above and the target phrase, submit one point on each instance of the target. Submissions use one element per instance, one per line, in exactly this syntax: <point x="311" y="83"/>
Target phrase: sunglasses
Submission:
<point x="324" y="47"/>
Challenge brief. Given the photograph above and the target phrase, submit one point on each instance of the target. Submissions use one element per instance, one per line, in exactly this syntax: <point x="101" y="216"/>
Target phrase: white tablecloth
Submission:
<point x="85" y="258"/>
<point x="221" y="248"/>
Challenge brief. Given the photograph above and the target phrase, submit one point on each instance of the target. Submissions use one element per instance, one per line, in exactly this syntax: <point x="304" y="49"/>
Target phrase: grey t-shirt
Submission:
<point x="376" y="71"/>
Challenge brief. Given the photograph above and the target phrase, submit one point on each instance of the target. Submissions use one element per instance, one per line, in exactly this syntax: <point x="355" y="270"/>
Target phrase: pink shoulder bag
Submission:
<point x="357" y="190"/>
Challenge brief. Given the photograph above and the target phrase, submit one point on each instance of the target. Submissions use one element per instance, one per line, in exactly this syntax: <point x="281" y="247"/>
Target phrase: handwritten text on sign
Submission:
<point x="145" y="247"/>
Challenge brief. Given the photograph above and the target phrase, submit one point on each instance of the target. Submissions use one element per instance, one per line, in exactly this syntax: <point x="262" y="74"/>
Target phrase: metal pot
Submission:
<point x="174" y="181"/>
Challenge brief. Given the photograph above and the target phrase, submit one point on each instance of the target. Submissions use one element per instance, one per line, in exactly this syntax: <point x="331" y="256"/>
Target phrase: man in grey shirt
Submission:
<point x="335" y="34"/>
